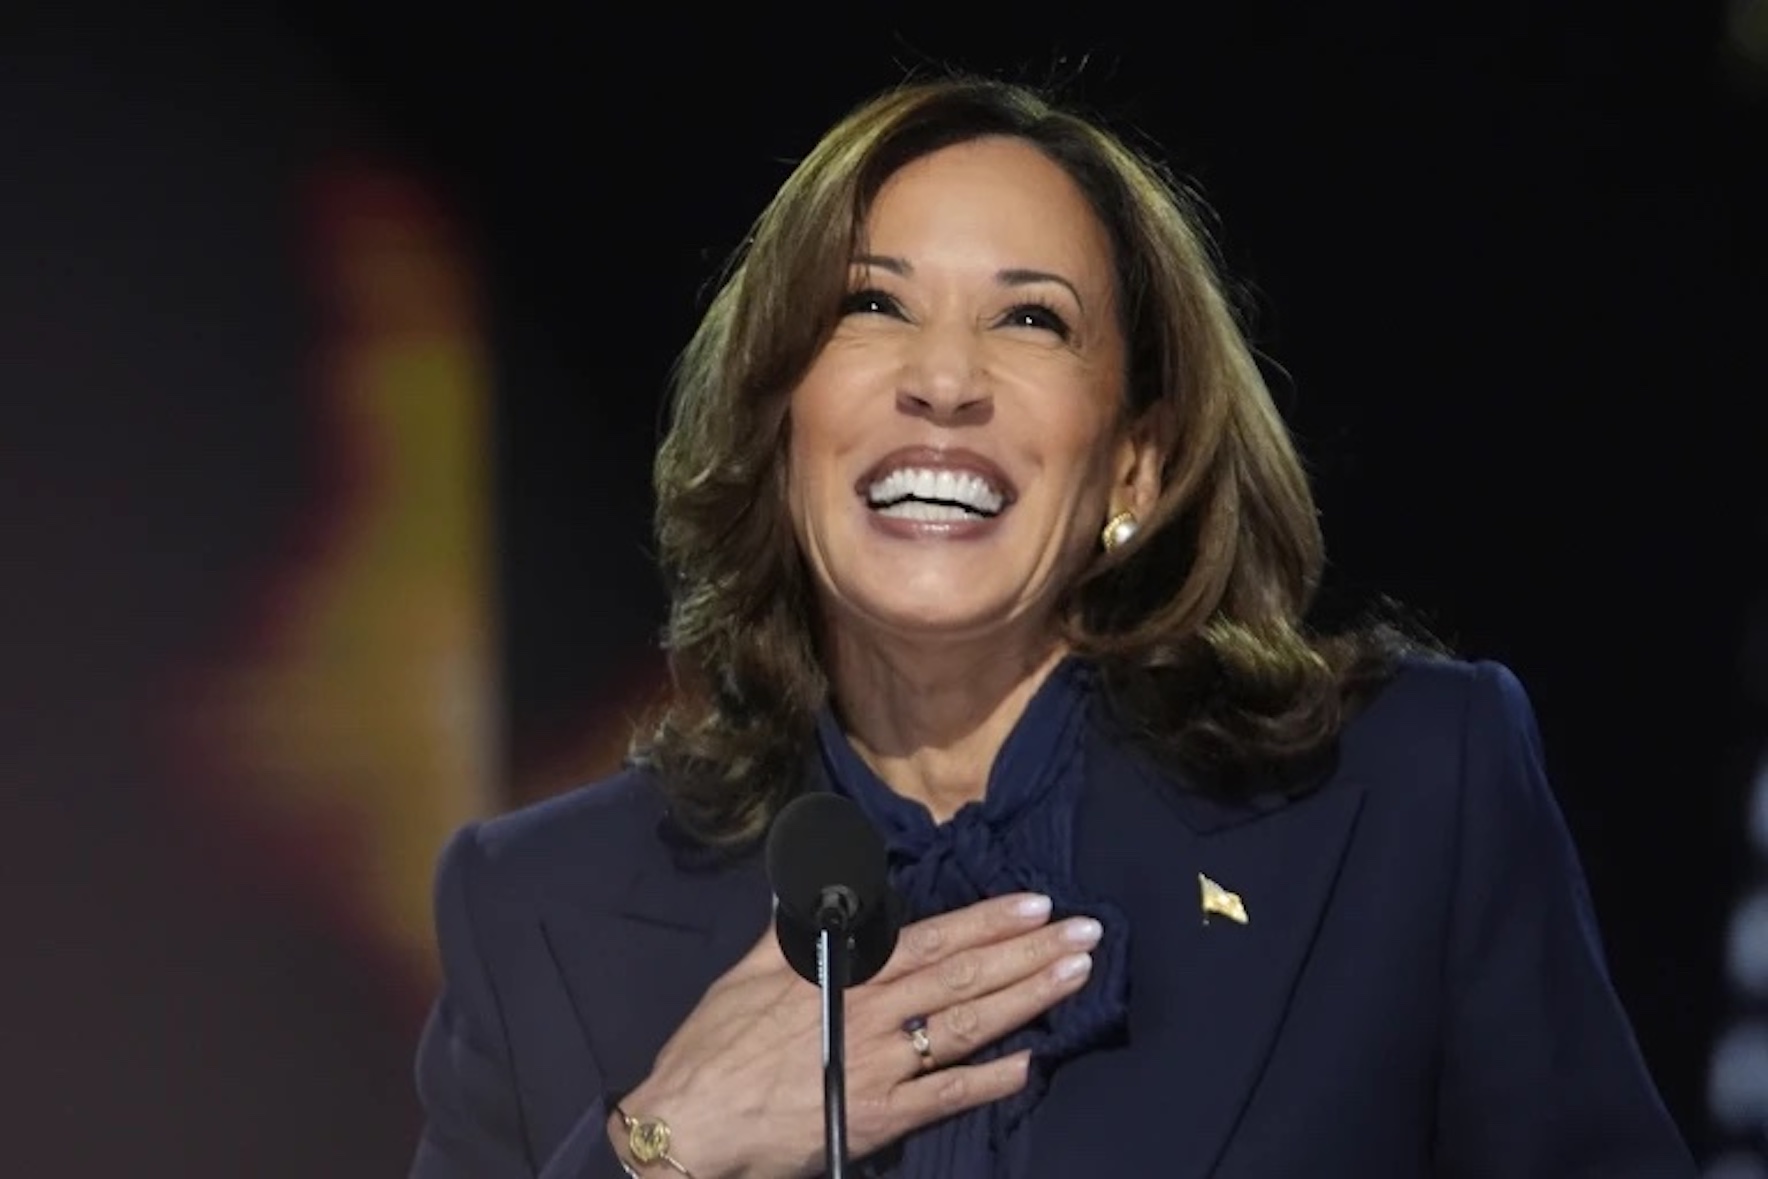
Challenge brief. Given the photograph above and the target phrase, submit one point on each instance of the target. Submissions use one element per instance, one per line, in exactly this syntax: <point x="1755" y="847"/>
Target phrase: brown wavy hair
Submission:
<point x="1196" y="624"/>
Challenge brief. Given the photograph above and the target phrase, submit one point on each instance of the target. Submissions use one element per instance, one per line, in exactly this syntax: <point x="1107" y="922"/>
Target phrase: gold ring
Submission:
<point x="916" y="1030"/>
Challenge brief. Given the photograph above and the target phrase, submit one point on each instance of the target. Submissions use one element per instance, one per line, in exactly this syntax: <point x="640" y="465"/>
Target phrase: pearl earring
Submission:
<point x="1118" y="530"/>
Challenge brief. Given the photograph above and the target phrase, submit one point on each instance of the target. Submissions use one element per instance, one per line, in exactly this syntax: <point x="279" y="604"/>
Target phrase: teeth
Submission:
<point x="928" y="487"/>
<point x="914" y="509"/>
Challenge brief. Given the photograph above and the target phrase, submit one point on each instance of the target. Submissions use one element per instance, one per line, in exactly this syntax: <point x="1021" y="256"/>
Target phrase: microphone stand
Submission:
<point x="833" y="968"/>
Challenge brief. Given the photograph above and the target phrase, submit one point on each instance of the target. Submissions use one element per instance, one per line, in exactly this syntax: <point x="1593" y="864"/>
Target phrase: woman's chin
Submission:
<point x="942" y="621"/>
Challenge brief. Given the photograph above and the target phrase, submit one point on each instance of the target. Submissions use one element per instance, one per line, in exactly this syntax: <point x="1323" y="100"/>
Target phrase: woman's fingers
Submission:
<point x="925" y="942"/>
<point x="951" y="1091"/>
<point x="980" y="971"/>
<point x="956" y="1029"/>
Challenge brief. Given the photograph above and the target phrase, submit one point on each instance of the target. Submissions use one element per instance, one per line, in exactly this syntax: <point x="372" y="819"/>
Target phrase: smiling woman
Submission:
<point x="976" y="511"/>
<point x="971" y="274"/>
<point x="981" y="356"/>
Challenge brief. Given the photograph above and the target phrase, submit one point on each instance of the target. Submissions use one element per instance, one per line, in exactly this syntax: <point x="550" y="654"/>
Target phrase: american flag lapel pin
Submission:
<point x="1219" y="902"/>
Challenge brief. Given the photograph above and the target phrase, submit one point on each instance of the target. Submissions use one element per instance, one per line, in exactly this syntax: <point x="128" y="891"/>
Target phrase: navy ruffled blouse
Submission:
<point x="1019" y="838"/>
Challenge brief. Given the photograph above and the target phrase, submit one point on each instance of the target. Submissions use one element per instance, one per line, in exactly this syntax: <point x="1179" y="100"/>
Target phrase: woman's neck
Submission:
<point x="930" y="720"/>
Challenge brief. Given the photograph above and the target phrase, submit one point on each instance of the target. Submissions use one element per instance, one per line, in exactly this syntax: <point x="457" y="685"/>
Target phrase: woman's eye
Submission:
<point x="870" y="302"/>
<point x="1036" y="315"/>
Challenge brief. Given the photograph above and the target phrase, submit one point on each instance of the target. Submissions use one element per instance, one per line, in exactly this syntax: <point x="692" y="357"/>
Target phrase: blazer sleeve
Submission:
<point x="1541" y="1074"/>
<point x="473" y="1118"/>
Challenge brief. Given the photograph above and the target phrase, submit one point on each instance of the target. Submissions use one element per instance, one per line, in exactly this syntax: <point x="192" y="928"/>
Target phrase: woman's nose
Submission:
<point x="944" y="377"/>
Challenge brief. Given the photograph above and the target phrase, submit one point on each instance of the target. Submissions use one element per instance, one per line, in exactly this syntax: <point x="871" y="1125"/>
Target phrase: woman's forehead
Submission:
<point x="995" y="202"/>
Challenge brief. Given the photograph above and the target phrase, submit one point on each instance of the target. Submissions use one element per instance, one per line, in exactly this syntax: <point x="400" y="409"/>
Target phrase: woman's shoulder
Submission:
<point x="586" y="835"/>
<point x="1440" y="720"/>
<point x="1439" y="690"/>
<point x="1439" y="686"/>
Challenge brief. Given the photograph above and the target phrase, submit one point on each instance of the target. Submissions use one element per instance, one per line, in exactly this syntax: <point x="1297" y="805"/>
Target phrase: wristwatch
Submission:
<point x="648" y="1140"/>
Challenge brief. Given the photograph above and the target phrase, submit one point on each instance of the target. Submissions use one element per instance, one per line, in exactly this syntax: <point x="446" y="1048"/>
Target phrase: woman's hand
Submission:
<point x="740" y="1082"/>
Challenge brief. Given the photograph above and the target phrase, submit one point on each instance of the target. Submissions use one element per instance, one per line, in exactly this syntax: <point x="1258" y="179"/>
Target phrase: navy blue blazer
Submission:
<point x="1418" y="990"/>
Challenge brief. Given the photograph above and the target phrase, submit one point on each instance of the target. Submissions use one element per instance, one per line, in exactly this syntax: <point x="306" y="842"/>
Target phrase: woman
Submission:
<point x="977" y="512"/>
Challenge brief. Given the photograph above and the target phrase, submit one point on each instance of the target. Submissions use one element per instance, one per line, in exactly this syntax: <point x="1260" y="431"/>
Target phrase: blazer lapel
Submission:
<point x="635" y="964"/>
<point x="1208" y="992"/>
<point x="1237" y="979"/>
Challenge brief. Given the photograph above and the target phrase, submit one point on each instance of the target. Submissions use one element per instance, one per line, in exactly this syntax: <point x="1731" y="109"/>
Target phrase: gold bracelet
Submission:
<point x="648" y="1140"/>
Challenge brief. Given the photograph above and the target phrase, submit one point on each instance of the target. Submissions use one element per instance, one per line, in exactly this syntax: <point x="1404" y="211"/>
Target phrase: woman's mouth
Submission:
<point x="929" y="494"/>
<point x="921" y="485"/>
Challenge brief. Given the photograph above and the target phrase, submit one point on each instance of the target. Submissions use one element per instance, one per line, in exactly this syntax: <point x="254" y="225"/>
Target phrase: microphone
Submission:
<point x="836" y="920"/>
<point x="826" y="866"/>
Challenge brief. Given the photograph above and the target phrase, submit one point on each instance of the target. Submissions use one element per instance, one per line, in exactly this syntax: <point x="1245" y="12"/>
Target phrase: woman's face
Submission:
<point x="954" y="450"/>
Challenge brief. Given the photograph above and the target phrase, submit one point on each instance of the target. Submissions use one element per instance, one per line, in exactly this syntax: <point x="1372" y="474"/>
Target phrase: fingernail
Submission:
<point x="1029" y="907"/>
<point x="1072" y="967"/>
<point x="1083" y="931"/>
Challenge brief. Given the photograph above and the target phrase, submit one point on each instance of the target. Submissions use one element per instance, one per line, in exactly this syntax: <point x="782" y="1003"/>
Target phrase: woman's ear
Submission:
<point x="1135" y="483"/>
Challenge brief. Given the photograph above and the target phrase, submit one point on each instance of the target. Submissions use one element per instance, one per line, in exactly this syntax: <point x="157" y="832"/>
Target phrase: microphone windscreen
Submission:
<point x="869" y="944"/>
<point x="820" y="841"/>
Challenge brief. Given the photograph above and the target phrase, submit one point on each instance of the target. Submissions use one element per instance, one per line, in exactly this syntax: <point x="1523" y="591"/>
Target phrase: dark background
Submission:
<point x="1506" y="268"/>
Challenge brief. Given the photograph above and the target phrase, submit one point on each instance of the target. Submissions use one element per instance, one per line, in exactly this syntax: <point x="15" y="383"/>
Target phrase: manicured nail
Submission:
<point x="1082" y="931"/>
<point x="1072" y="967"/>
<point x="1033" y="907"/>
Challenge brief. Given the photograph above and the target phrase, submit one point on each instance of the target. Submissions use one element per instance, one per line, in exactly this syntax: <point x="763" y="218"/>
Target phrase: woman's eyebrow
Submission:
<point x="1014" y="276"/>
